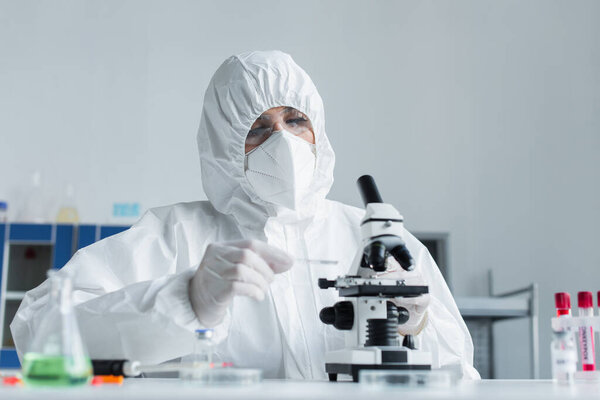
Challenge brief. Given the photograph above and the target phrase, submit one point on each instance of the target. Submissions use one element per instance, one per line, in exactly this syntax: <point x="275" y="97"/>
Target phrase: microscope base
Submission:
<point x="353" y="369"/>
<point x="350" y="361"/>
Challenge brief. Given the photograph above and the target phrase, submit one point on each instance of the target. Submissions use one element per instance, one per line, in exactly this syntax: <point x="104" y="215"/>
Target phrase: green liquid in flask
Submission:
<point x="43" y="370"/>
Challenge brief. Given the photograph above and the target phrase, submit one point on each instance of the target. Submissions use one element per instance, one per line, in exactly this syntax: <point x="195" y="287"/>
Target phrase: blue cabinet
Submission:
<point x="27" y="251"/>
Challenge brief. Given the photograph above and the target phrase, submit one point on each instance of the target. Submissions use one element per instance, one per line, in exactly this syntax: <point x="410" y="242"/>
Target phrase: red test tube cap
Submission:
<point x="562" y="300"/>
<point x="585" y="300"/>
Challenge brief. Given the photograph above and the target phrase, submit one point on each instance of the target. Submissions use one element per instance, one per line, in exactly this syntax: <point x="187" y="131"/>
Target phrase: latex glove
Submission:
<point x="416" y="306"/>
<point x="417" y="311"/>
<point x="228" y="269"/>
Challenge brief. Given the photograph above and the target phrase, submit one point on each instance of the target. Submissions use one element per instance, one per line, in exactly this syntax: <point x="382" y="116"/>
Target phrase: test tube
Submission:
<point x="585" y="302"/>
<point x="562" y="300"/>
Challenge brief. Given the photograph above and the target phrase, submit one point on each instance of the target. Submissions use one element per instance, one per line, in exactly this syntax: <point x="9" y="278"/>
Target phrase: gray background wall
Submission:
<point x="479" y="118"/>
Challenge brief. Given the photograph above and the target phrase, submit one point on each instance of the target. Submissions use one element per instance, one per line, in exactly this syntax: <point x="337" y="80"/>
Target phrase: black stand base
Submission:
<point x="353" y="369"/>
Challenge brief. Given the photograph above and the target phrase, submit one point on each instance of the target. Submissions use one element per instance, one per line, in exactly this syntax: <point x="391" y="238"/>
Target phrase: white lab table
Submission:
<point x="147" y="389"/>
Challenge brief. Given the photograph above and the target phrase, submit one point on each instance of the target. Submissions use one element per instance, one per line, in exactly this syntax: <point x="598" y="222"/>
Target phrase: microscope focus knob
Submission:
<point x="403" y="315"/>
<point x="377" y="255"/>
<point x="402" y="255"/>
<point x="341" y="315"/>
<point x="325" y="283"/>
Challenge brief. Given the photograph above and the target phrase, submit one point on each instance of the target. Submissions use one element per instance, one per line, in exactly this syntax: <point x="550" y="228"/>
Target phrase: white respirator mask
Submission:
<point x="281" y="169"/>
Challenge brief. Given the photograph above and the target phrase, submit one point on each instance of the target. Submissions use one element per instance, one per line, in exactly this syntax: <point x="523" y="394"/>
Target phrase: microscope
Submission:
<point x="368" y="317"/>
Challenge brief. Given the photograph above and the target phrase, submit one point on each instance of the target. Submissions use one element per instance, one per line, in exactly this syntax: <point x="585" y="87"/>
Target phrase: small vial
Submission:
<point x="585" y="303"/>
<point x="203" y="348"/>
<point x="201" y="359"/>
<point x="564" y="357"/>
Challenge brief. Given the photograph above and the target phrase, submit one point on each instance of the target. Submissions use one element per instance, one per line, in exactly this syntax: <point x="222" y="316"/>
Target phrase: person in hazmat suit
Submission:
<point x="240" y="262"/>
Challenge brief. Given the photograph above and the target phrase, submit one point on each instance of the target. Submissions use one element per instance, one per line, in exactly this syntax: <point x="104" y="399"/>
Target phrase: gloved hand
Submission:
<point x="417" y="311"/>
<point x="416" y="306"/>
<point x="228" y="269"/>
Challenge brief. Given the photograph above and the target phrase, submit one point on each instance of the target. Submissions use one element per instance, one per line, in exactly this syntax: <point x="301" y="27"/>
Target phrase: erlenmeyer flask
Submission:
<point x="57" y="356"/>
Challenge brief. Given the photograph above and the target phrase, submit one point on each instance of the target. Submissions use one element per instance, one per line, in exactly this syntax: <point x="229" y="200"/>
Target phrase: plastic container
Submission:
<point x="34" y="208"/>
<point x="67" y="213"/>
<point x="125" y="213"/>
<point x="564" y="357"/>
<point x="439" y="379"/>
<point x="226" y="376"/>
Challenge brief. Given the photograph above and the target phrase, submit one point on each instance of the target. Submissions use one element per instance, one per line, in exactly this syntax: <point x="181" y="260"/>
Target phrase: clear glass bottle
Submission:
<point x="34" y="207"/>
<point x="67" y="213"/>
<point x="199" y="363"/>
<point x="57" y="356"/>
<point x="564" y="357"/>
<point x="203" y="348"/>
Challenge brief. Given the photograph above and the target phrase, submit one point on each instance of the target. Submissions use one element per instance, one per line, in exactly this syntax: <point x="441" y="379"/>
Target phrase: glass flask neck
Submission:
<point x="61" y="291"/>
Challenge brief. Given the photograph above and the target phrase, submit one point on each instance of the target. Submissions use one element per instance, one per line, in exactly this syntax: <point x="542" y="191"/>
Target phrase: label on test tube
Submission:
<point x="585" y="303"/>
<point x="562" y="300"/>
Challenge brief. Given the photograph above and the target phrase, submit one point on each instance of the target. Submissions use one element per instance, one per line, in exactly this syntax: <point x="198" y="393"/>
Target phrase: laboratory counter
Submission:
<point x="146" y="389"/>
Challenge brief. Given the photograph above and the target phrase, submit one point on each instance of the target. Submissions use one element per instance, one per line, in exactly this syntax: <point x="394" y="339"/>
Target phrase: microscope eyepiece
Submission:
<point x="377" y="254"/>
<point x="402" y="255"/>
<point x="368" y="190"/>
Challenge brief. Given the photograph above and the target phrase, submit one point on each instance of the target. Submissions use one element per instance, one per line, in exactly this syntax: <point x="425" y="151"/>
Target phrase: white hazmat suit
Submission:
<point x="131" y="289"/>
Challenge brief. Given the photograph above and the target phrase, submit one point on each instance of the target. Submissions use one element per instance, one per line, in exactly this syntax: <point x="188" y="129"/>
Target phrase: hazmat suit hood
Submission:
<point x="242" y="88"/>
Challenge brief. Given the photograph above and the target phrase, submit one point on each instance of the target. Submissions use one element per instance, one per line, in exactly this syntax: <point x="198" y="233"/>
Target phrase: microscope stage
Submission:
<point x="383" y="290"/>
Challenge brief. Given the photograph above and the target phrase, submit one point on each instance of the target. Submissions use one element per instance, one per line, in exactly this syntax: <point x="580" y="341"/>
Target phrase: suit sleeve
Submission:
<point x="445" y="334"/>
<point x="130" y="293"/>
